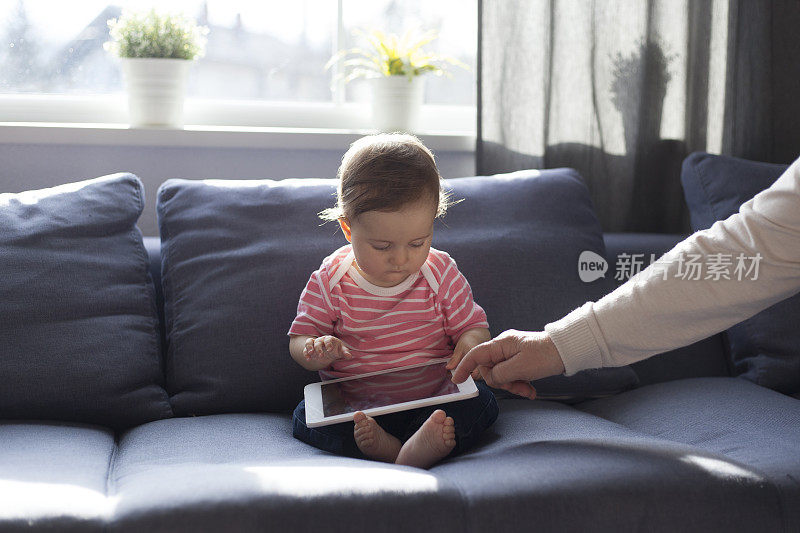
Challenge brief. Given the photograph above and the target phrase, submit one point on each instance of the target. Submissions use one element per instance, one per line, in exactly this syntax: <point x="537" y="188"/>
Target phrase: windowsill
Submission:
<point x="210" y="136"/>
<point x="101" y="120"/>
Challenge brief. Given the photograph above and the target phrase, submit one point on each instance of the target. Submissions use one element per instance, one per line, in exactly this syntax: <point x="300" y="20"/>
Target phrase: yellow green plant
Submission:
<point x="391" y="55"/>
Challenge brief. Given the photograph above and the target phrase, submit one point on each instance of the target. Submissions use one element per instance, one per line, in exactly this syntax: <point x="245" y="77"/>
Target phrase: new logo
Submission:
<point x="591" y="266"/>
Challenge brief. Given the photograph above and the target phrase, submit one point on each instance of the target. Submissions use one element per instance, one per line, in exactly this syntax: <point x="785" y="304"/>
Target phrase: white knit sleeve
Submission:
<point x="664" y="307"/>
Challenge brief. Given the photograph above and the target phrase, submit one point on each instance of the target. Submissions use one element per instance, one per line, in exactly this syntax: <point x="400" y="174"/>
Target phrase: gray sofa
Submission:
<point x="672" y="443"/>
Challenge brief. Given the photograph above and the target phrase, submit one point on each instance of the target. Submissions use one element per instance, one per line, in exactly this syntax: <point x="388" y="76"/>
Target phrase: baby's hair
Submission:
<point x="384" y="172"/>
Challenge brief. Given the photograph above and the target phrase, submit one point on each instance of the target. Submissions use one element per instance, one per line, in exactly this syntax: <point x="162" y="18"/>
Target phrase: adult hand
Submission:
<point x="512" y="360"/>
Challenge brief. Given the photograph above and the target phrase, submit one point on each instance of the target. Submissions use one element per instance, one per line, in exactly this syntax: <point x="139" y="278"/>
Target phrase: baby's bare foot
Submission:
<point x="431" y="443"/>
<point x="373" y="441"/>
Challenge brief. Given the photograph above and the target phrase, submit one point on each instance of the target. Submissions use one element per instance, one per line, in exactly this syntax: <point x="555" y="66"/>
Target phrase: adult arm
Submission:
<point x="657" y="310"/>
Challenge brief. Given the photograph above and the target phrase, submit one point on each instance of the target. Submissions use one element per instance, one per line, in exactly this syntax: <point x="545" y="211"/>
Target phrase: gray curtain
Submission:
<point x="623" y="90"/>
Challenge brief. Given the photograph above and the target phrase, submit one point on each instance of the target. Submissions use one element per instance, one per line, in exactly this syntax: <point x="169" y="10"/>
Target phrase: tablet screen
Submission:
<point x="386" y="389"/>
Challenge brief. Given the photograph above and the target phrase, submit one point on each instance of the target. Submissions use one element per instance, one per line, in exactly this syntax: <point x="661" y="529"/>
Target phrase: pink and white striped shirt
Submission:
<point x="387" y="327"/>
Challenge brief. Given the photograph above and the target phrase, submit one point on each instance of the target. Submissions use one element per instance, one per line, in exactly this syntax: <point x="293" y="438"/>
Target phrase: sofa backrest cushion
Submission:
<point x="237" y="254"/>
<point x="517" y="238"/>
<point x="716" y="186"/>
<point x="766" y="347"/>
<point x="78" y="324"/>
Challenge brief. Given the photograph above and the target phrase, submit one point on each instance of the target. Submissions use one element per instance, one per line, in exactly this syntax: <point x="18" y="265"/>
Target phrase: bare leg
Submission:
<point x="431" y="443"/>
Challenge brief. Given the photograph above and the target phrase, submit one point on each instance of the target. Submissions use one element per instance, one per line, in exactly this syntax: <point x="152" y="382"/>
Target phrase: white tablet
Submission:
<point x="388" y="391"/>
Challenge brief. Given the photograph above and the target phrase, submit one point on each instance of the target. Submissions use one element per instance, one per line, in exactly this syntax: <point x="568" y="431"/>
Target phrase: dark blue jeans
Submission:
<point x="471" y="418"/>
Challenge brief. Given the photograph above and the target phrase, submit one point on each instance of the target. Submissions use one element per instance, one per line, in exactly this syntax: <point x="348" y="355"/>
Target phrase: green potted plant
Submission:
<point x="395" y="67"/>
<point x="156" y="50"/>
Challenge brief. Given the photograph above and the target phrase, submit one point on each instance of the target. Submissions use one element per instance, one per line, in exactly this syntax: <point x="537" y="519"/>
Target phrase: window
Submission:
<point x="267" y="55"/>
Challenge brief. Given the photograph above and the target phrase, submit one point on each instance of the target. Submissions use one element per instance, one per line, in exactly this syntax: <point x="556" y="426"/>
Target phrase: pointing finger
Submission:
<point x="485" y="354"/>
<point x="455" y="358"/>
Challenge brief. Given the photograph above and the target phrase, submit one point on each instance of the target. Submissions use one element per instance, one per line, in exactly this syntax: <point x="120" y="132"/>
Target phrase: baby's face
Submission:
<point x="389" y="246"/>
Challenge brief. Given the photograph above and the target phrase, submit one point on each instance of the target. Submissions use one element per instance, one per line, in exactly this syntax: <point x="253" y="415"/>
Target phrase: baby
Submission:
<point x="386" y="300"/>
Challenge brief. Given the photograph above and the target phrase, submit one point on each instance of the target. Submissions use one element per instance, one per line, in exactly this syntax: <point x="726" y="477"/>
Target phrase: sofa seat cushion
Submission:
<point x="731" y="417"/>
<point x="542" y="463"/>
<point x="53" y="476"/>
<point x="562" y="469"/>
<point x="245" y="472"/>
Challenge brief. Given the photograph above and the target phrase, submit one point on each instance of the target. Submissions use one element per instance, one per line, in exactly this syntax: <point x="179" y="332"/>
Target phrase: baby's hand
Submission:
<point x="468" y="341"/>
<point x="326" y="347"/>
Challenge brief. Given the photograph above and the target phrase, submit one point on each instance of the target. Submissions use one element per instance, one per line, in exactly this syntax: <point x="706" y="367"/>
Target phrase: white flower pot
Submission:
<point x="396" y="103"/>
<point x="156" y="89"/>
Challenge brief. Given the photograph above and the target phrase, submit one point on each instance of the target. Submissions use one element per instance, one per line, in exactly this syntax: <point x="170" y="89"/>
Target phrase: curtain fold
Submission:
<point x="623" y="90"/>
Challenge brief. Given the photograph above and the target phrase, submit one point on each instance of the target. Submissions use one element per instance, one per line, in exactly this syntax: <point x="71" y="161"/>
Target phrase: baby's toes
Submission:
<point x="364" y="429"/>
<point x="449" y="432"/>
<point x="361" y="421"/>
<point x="438" y="416"/>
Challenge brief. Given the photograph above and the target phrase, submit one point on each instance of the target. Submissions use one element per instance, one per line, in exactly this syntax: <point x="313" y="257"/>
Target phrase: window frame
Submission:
<point x="110" y="110"/>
